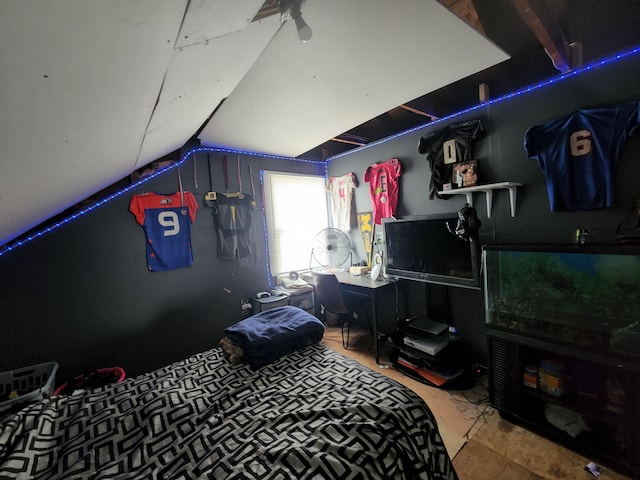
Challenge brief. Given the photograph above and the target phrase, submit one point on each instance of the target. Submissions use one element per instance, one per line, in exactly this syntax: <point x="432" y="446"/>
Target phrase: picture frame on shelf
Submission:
<point x="465" y="174"/>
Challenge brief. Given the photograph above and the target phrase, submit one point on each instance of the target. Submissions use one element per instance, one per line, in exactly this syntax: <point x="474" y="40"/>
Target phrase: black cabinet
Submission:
<point x="587" y="401"/>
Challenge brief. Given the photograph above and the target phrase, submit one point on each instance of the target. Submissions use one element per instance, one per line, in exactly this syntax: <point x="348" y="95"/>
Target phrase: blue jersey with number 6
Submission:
<point x="579" y="153"/>
<point x="166" y="220"/>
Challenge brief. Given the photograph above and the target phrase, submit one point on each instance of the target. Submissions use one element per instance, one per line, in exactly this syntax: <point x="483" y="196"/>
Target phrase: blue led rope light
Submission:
<point x="266" y="236"/>
<point x="50" y="228"/>
<point x="16" y="244"/>
<point x="507" y="96"/>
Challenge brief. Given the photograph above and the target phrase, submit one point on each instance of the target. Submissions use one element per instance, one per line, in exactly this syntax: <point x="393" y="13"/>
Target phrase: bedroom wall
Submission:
<point x="82" y="295"/>
<point x="501" y="157"/>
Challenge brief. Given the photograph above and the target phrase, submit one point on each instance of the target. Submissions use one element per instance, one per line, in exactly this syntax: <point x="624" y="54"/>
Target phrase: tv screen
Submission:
<point x="425" y="248"/>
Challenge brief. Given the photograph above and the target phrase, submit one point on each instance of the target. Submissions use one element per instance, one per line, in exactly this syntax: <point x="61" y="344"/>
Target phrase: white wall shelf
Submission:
<point x="488" y="192"/>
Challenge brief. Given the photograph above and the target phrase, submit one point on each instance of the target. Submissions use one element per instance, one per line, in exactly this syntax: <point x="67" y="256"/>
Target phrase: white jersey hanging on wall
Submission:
<point x="341" y="192"/>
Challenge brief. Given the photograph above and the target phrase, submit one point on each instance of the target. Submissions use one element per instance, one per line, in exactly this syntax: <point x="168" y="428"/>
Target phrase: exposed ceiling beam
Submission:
<point x="350" y="142"/>
<point x="418" y="112"/>
<point x="465" y="11"/>
<point x="538" y="17"/>
<point x="270" y="7"/>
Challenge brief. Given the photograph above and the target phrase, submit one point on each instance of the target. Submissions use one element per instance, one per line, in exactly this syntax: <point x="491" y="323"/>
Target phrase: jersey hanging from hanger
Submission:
<point x="384" y="188"/>
<point x="579" y="154"/>
<point x="166" y="220"/>
<point x="341" y="193"/>
<point x="232" y="214"/>
<point x="446" y="147"/>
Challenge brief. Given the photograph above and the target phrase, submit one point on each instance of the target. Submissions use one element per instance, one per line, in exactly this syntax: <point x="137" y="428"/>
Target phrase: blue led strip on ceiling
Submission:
<point x="27" y="239"/>
<point x="50" y="228"/>
<point x="507" y="96"/>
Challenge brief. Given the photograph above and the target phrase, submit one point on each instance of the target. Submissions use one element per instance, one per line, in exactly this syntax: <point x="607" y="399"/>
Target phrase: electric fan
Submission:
<point x="331" y="248"/>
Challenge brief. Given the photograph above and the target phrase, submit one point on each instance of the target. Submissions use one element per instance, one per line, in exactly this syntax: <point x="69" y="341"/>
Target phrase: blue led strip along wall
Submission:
<point x="50" y="228"/>
<point x="22" y="241"/>
<point x="509" y="96"/>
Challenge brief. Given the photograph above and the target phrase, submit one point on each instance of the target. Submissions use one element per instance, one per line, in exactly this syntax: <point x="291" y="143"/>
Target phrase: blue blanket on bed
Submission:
<point x="267" y="336"/>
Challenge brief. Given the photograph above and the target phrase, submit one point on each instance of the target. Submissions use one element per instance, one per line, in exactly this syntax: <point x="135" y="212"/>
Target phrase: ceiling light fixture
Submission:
<point x="291" y="9"/>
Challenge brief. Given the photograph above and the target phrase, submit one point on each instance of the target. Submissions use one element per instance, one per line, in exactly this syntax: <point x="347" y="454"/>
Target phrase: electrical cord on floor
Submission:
<point x="478" y="397"/>
<point x="473" y="402"/>
<point x="482" y="415"/>
<point x="480" y="390"/>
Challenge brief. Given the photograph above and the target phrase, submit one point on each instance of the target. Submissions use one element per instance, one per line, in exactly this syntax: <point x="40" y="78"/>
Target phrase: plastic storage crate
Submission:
<point x="30" y="384"/>
<point x="267" y="303"/>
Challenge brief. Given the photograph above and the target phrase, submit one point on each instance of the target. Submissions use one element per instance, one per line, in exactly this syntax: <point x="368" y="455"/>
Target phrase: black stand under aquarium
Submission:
<point x="564" y="344"/>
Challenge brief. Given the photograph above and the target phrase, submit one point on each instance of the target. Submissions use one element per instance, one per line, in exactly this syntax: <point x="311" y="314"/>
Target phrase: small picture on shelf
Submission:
<point x="465" y="174"/>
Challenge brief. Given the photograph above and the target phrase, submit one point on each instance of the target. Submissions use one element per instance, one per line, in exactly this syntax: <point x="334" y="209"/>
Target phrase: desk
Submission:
<point x="363" y="285"/>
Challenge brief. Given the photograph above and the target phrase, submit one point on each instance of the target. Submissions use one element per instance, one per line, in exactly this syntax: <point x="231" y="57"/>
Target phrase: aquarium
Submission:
<point x="582" y="295"/>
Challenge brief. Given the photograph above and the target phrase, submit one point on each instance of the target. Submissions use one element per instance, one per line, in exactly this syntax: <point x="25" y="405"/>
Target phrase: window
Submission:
<point x="296" y="210"/>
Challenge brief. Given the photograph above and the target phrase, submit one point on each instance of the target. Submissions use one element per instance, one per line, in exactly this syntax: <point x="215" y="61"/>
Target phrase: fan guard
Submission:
<point x="331" y="248"/>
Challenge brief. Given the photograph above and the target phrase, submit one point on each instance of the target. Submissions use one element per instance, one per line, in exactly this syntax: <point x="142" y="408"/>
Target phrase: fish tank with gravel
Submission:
<point x="577" y="294"/>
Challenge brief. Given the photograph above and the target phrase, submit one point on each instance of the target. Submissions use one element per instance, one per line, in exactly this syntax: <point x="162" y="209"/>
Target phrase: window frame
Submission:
<point x="273" y="231"/>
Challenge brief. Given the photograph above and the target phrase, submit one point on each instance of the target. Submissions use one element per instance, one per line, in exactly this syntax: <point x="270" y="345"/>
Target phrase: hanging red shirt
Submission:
<point x="383" y="181"/>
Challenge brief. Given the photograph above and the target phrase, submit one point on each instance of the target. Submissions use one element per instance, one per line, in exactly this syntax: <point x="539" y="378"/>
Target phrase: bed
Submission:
<point x="311" y="413"/>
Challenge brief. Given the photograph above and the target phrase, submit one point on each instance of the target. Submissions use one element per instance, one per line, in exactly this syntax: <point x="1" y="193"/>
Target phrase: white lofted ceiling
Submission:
<point x="365" y="58"/>
<point x="91" y="90"/>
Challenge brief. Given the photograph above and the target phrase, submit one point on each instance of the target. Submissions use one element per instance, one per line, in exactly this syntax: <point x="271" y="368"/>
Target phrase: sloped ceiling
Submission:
<point x="364" y="59"/>
<point x="91" y="90"/>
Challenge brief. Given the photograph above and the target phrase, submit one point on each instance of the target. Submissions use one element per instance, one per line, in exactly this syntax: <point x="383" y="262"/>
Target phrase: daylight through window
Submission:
<point x="296" y="210"/>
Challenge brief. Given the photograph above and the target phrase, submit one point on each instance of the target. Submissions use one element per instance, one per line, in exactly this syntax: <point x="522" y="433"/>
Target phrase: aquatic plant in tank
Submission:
<point x="587" y="297"/>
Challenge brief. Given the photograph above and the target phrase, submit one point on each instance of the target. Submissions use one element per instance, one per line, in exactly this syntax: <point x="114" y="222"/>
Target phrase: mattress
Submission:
<point x="313" y="413"/>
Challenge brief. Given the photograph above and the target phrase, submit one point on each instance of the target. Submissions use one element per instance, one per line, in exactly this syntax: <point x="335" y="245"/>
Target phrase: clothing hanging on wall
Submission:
<point x="579" y="153"/>
<point x="166" y="220"/>
<point x="445" y="148"/>
<point x="232" y="214"/>
<point x="384" y="187"/>
<point x="341" y="190"/>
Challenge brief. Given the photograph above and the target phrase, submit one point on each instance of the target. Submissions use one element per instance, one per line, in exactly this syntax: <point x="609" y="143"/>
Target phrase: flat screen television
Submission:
<point x="425" y="248"/>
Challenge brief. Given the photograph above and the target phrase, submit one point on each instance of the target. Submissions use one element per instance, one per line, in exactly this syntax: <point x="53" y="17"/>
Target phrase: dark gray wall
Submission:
<point x="501" y="157"/>
<point x="82" y="295"/>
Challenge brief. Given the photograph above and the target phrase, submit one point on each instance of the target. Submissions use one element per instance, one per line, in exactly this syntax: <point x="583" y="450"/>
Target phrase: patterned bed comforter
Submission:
<point x="311" y="414"/>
